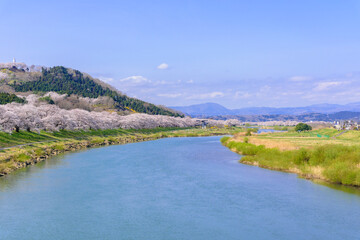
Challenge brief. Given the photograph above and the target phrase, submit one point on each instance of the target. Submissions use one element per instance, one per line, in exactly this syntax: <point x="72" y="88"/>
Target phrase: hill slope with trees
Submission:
<point x="72" y="82"/>
<point x="9" y="98"/>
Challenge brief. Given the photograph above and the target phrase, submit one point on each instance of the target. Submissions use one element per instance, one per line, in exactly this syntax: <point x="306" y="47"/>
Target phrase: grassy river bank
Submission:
<point x="320" y="154"/>
<point x="21" y="149"/>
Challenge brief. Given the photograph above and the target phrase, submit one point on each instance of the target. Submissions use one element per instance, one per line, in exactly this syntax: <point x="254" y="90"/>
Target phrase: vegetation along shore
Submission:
<point x="324" y="154"/>
<point x="23" y="148"/>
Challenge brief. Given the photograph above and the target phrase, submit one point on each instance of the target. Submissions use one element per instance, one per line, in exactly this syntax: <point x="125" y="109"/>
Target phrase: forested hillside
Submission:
<point x="65" y="81"/>
<point x="9" y="98"/>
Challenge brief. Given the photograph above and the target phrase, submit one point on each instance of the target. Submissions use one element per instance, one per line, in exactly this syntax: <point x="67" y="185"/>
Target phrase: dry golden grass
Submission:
<point x="319" y="154"/>
<point x="268" y="143"/>
<point x="317" y="171"/>
<point x="285" y="141"/>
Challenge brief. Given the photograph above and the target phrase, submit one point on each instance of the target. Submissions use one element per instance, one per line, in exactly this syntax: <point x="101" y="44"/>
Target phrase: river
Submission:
<point x="177" y="188"/>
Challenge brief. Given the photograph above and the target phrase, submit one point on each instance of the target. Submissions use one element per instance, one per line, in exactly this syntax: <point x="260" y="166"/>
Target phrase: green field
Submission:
<point x="310" y="139"/>
<point x="319" y="154"/>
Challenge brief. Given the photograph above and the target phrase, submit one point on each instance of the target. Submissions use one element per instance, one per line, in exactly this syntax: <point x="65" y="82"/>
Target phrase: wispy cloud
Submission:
<point x="106" y="79"/>
<point x="242" y="95"/>
<point x="135" y="80"/>
<point x="207" y="95"/>
<point x="274" y="92"/>
<point x="163" y="66"/>
<point x="169" y="95"/>
<point x="300" y="78"/>
<point x="327" y="85"/>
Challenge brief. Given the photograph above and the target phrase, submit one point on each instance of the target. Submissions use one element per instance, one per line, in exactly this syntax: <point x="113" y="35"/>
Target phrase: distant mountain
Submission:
<point x="306" y="117"/>
<point x="214" y="109"/>
<point x="205" y="109"/>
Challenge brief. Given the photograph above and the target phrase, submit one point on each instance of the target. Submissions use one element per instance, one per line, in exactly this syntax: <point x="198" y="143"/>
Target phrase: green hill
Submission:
<point x="68" y="81"/>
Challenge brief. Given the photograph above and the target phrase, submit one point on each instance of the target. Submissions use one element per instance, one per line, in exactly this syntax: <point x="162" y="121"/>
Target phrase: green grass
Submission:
<point x="23" y="157"/>
<point x="312" y="138"/>
<point x="325" y="131"/>
<point x="335" y="163"/>
<point x="25" y="137"/>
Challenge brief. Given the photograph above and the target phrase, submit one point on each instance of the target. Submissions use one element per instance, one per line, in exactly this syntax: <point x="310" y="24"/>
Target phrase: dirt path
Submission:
<point x="334" y="137"/>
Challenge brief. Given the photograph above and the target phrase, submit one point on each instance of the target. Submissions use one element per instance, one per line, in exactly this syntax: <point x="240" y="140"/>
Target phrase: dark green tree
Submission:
<point x="8" y="98"/>
<point x="300" y="127"/>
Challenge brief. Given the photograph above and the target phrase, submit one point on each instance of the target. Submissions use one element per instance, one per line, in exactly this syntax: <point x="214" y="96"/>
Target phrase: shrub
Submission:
<point x="39" y="152"/>
<point x="248" y="132"/>
<point x="301" y="156"/>
<point x="59" y="146"/>
<point x="245" y="148"/>
<point x="302" y="127"/>
<point x="224" y="139"/>
<point x="47" y="99"/>
<point x="96" y="140"/>
<point x="342" y="172"/>
<point x="22" y="157"/>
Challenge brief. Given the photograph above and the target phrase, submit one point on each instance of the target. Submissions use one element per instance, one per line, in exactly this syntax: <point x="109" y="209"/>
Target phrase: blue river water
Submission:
<point x="178" y="188"/>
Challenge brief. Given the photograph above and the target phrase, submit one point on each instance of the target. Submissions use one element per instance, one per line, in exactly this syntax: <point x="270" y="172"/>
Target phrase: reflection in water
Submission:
<point x="347" y="189"/>
<point x="19" y="176"/>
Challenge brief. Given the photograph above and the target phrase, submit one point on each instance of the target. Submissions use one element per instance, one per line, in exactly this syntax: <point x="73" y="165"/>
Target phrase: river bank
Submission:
<point x="332" y="160"/>
<point x="13" y="158"/>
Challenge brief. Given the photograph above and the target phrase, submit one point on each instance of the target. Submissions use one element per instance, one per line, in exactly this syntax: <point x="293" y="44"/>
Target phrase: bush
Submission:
<point x="302" y="156"/>
<point x="223" y="140"/>
<point x="302" y="127"/>
<point x="248" y="132"/>
<point x="47" y="99"/>
<point x="245" y="148"/>
<point x="22" y="157"/>
<point x="342" y="172"/>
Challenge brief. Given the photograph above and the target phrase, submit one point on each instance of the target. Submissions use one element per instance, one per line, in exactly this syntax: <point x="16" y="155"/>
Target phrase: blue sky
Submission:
<point x="236" y="53"/>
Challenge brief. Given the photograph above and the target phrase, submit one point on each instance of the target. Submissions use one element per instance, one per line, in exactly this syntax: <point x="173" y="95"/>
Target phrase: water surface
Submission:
<point x="179" y="188"/>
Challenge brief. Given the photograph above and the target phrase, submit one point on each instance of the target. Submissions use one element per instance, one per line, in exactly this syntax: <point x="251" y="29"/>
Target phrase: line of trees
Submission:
<point x="34" y="117"/>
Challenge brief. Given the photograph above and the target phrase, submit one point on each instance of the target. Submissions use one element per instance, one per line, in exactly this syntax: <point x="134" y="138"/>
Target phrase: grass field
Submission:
<point x="293" y="140"/>
<point x="319" y="154"/>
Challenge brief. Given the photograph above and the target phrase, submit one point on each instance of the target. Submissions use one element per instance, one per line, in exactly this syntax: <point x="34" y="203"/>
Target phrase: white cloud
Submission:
<point x="106" y="79"/>
<point x="190" y="81"/>
<point x="326" y="85"/>
<point x="163" y="66"/>
<point x="135" y="80"/>
<point x="169" y="95"/>
<point x="300" y="78"/>
<point x="242" y="95"/>
<point x="206" y="95"/>
<point x="162" y="82"/>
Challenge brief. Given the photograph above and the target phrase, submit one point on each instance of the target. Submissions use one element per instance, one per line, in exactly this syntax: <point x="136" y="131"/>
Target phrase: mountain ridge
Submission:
<point x="213" y="109"/>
